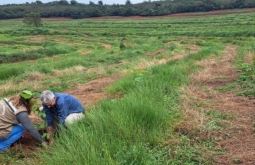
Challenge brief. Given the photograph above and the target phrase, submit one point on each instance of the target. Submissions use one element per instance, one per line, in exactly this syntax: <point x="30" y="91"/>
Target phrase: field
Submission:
<point x="176" y="90"/>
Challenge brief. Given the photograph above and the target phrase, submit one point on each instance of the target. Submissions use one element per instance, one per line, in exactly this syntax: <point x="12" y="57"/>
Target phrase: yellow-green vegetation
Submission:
<point x="137" y="128"/>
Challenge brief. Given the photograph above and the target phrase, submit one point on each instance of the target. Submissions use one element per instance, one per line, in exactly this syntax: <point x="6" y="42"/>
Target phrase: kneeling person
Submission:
<point x="14" y="119"/>
<point x="60" y="109"/>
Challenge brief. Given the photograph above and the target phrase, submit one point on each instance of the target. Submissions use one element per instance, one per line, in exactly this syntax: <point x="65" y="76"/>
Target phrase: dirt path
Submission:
<point x="237" y="138"/>
<point x="92" y="92"/>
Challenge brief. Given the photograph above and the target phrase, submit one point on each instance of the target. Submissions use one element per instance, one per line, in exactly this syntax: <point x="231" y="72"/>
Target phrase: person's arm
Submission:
<point x="62" y="113"/>
<point x="24" y="120"/>
<point x="49" y="116"/>
<point x="49" y="120"/>
<point x="49" y="130"/>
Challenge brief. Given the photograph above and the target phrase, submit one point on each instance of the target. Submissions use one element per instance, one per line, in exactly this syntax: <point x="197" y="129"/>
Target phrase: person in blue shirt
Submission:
<point x="61" y="110"/>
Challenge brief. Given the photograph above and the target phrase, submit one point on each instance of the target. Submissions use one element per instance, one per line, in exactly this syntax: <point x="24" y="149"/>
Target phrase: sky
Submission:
<point x="109" y="2"/>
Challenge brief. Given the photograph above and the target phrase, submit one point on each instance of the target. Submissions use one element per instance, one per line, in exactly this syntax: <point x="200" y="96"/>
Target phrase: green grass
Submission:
<point x="136" y="128"/>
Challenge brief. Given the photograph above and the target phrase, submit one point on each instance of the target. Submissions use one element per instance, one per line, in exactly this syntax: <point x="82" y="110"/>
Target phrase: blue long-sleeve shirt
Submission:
<point x="65" y="105"/>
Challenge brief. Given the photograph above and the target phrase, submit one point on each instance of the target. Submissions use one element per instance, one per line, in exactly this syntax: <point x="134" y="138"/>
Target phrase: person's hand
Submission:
<point x="51" y="141"/>
<point x="49" y="130"/>
<point x="44" y="145"/>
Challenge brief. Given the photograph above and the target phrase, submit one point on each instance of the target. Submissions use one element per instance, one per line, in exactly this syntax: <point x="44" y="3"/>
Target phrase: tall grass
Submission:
<point x="117" y="132"/>
<point x="48" y="49"/>
<point x="131" y="129"/>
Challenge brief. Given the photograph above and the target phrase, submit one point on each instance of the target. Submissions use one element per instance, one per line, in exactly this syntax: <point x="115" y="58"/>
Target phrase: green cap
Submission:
<point x="26" y="94"/>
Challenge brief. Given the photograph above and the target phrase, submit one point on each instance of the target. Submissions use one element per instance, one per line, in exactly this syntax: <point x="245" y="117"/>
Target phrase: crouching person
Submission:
<point x="61" y="109"/>
<point x="14" y="119"/>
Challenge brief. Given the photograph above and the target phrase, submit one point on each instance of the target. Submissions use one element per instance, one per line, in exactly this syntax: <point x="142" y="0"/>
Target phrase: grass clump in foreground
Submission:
<point x="136" y="128"/>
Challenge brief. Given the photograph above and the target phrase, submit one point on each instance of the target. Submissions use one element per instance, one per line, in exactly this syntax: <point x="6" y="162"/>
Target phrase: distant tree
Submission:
<point x="33" y="19"/>
<point x="91" y="3"/>
<point x="63" y="2"/>
<point x="128" y="11"/>
<point x="100" y="3"/>
<point x="38" y="2"/>
<point x="128" y="2"/>
<point x="74" y="9"/>
<point x="73" y="2"/>
<point x="239" y="4"/>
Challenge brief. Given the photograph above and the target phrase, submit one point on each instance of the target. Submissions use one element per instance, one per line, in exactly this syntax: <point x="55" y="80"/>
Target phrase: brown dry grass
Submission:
<point x="84" y="52"/>
<point x="249" y="58"/>
<point x="39" y="38"/>
<point x="106" y="46"/>
<point x="68" y="71"/>
<point x="145" y="63"/>
<point x="236" y="138"/>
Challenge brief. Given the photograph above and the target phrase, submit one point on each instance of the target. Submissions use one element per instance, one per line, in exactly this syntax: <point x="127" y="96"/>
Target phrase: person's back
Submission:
<point x="14" y="119"/>
<point x="7" y="118"/>
<point x="70" y="102"/>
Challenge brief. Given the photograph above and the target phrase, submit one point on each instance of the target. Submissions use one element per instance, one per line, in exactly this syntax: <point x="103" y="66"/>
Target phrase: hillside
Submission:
<point x="73" y="9"/>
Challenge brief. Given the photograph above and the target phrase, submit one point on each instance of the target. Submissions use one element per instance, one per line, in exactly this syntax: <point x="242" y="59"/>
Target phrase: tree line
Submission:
<point x="73" y="9"/>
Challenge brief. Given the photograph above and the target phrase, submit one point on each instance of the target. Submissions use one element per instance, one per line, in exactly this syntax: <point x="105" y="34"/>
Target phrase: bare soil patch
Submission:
<point x="38" y="38"/>
<point x="156" y="52"/>
<point x="106" y="46"/>
<point x="237" y="138"/>
<point x="92" y="92"/>
<point x="84" y="52"/>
